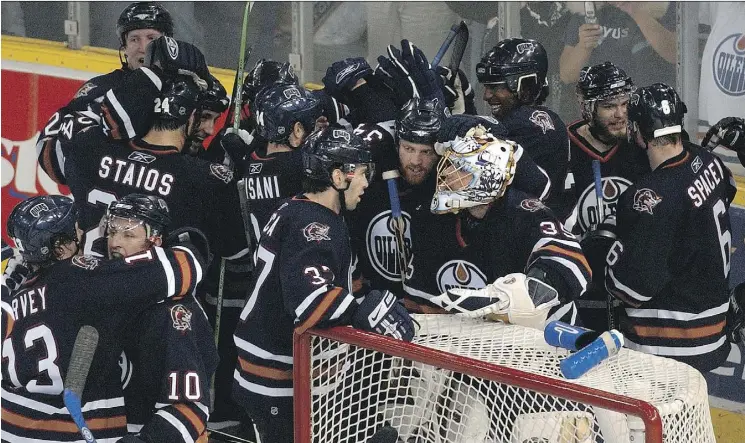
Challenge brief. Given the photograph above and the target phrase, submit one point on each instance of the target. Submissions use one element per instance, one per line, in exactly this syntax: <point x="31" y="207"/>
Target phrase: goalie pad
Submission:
<point x="514" y="298"/>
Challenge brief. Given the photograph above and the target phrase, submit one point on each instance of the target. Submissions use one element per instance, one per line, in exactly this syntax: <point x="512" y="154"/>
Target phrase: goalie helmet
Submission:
<point x="280" y="107"/>
<point x="474" y="170"/>
<point x="657" y="110"/>
<point x="419" y="121"/>
<point x="334" y="148"/>
<point x="601" y="82"/>
<point x="215" y="99"/>
<point x="40" y="224"/>
<point x="143" y="15"/>
<point x="519" y="63"/>
<point x="139" y="209"/>
<point x="266" y="73"/>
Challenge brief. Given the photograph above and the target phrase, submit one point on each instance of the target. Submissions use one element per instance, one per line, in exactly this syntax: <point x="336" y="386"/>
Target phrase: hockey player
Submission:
<point x="501" y="234"/>
<point x="303" y="280"/>
<point x="514" y="77"/>
<point x="65" y="292"/>
<point x="671" y="261"/>
<point x="603" y="91"/>
<point x="199" y="194"/>
<point x="169" y="345"/>
<point x="729" y="133"/>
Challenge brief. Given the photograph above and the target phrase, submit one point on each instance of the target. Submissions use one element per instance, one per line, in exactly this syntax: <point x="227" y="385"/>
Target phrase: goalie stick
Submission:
<point x="77" y="373"/>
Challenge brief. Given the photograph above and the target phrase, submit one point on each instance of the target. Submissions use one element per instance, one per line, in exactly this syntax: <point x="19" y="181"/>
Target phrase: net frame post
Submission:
<point x="647" y="412"/>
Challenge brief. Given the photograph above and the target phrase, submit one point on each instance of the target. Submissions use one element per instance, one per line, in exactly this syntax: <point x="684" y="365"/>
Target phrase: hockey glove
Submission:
<point x="194" y="240"/>
<point x="728" y="132"/>
<point x="16" y="272"/>
<point x="342" y="76"/>
<point x="736" y="315"/>
<point x="459" y="95"/>
<point x="381" y="312"/>
<point x="427" y="82"/>
<point x="174" y="57"/>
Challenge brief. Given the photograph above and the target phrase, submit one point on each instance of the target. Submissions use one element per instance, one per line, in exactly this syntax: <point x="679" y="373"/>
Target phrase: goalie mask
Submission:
<point x="474" y="170"/>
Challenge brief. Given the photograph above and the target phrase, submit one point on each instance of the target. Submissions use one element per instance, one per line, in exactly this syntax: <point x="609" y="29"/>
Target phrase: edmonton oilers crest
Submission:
<point x="613" y="187"/>
<point x="382" y="247"/>
<point x="460" y="274"/>
<point x="728" y="65"/>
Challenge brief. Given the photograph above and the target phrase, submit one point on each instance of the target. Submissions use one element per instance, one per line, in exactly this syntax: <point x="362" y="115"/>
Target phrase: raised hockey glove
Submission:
<point x="382" y="313"/>
<point x="16" y="272"/>
<point x="342" y="76"/>
<point x="736" y="315"/>
<point x="174" y="57"/>
<point x="728" y="132"/>
<point x="459" y="95"/>
<point x="427" y="82"/>
<point x="194" y="240"/>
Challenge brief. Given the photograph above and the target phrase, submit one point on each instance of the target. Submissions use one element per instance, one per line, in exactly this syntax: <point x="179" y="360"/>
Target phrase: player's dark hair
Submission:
<point x="669" y="139"/>
<point x="166" y="124"/>
<point x="313" y="186"/>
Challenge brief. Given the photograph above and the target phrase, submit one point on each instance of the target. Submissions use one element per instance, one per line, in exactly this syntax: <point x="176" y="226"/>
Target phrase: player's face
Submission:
<point x="135" y="44"/>
<point x="611" y="117"/>
<point x="126" y="237"/>
<point x="417" y="161"/>
<point x="357" y="186"/>
<point x="207" y="123"/>
<point x="500" y="99"/>
<point x="452" y="179"/>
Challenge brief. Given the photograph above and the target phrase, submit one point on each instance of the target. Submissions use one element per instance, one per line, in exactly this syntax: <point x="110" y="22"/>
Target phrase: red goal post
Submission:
<point x="340" y="372"/>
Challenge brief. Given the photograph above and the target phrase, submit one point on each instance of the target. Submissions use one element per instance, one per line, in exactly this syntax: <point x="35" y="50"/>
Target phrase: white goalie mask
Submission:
<point x="474" y="170"/>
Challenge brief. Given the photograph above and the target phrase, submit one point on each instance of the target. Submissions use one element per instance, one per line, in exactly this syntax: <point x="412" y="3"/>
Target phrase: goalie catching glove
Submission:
<point x="514" y="298"/>
<point x="382" y="313"/>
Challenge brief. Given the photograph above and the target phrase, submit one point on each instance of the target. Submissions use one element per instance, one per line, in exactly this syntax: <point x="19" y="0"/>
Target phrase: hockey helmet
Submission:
<point x="40" y="224"/>
<point x="521" y="64"/>
<point x="601" y="82"/>
<point x="143" y="15"/>
<point x="138" y="209"/>
<point x="178" y="99"/>
<point x="267" y="73"/>
<point x="474" y="170"/>
<point x="279" y="107"/>
<point x="335" y="148"/>
<point x="657" y="110"/>
<point x="215" y="99"/>
<point x="420" y="120"/>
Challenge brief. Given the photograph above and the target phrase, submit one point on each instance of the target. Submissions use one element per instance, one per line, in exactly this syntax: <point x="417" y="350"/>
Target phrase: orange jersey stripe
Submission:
<point x="315" y="317"/>
<point x="119" y="421"/>
<point x="679" y="162"/>
<point x="684" y="333"/>
<point x="183" y="263"/>
<point x="264" y="371"/>
<point x="575" y="255"/>
<point x="115" y="134"/>
<point x="193" y="418"/>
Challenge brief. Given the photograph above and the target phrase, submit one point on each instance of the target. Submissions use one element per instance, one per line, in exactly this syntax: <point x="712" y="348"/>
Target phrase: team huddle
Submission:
<point x="381" y="195"/>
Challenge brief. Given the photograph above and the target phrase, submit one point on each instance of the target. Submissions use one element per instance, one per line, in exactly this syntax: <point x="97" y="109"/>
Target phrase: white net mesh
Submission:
<point x="356" y="391"/>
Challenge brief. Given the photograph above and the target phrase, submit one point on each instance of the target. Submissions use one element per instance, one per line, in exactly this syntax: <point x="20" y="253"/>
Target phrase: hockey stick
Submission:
<point x="77" y="373"/>
<point x="454" y="31"/>
<point x="598" y="177"/>
<point x="459" y="47"/>
<point x="225" y="437"/>
<point x="397" y="219"/>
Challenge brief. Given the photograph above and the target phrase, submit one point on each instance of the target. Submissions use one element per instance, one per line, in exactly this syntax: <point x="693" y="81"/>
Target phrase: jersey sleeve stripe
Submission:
<point x="264" y="371"/>
<point x="167" y="416"/>
<point x="261" y="353"/>
<point x="20" y="421"/>
<point x="342" y="307"/>
<point x="122" y="114"/>
<point x="318" y="313"/>
<point x="625" y="290"/>
<point x="185" y="268"/>
<point x="153" y="78"/>
<point x="110" y="122"/>
<point x="677" y="315"/>
<point x="575" y="256"/>
<point x="680" y="333"/>
<point x="47" y="162"/>
<point x="168" y="269"/>
<point x="300" y="310"/>
<point x="194" y="419"/>
<point x="195" y="262"/>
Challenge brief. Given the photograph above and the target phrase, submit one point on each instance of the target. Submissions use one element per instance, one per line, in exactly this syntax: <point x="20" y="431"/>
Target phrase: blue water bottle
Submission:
<point x="564" y="335"/>
<point x="605" y="346"/>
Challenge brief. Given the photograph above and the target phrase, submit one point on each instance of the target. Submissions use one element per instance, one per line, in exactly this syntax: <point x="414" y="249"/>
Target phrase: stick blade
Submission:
<point x="459" y="46"/>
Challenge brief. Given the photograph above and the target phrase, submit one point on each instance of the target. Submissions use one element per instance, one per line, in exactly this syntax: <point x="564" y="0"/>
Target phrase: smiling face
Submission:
<point x="611" y="117"/>
<point x="417" y="161"/>
<point x="500" y="98"/>
<point x="135" y="44"/>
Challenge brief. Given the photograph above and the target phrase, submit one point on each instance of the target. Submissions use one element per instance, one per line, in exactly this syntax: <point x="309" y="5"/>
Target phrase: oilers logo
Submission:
<point x="613" y="187"/>
<point x="728" y="65"/>
<point x="382" y="245"/>
<point x="460" y="274"/>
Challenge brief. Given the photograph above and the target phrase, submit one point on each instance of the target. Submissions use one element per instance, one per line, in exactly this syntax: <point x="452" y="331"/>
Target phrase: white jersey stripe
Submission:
<point x="676" y="351"/>
<point x="122" y="113"/>
<point x="625" y="289"/>
<point x="309" y="300"/>
<point x="677" y="315"/>
<point x="263" y="390"/>
<point x="167" y="416"/>
<point x="48" y="409"/>
<point x="168" y="269"/>
<point x="261" y="353"/>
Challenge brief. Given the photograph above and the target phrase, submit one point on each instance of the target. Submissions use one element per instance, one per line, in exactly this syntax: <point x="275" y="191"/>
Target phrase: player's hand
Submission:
<point x="236" y="143"/>
<point x="382" y="313"/>
<point x="175" y="57"/>
<point x="459" y="95"/>
<point x="736" y="315"/>
<point x="590" y="35"/>
<point x="342" y="77"/>
<point x="729" y="132"/>
<point x="16" y="272"/>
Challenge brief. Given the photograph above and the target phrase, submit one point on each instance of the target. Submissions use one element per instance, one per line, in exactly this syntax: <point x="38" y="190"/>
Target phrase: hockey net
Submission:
<point x="464" y="380"/>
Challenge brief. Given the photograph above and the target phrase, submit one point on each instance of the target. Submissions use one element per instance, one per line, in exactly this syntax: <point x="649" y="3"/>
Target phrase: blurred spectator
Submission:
<point x="637" y="35"/>
<point x="722" y="88"/>
<point x="426" y="24"/>
<point x="12" y="19"/>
